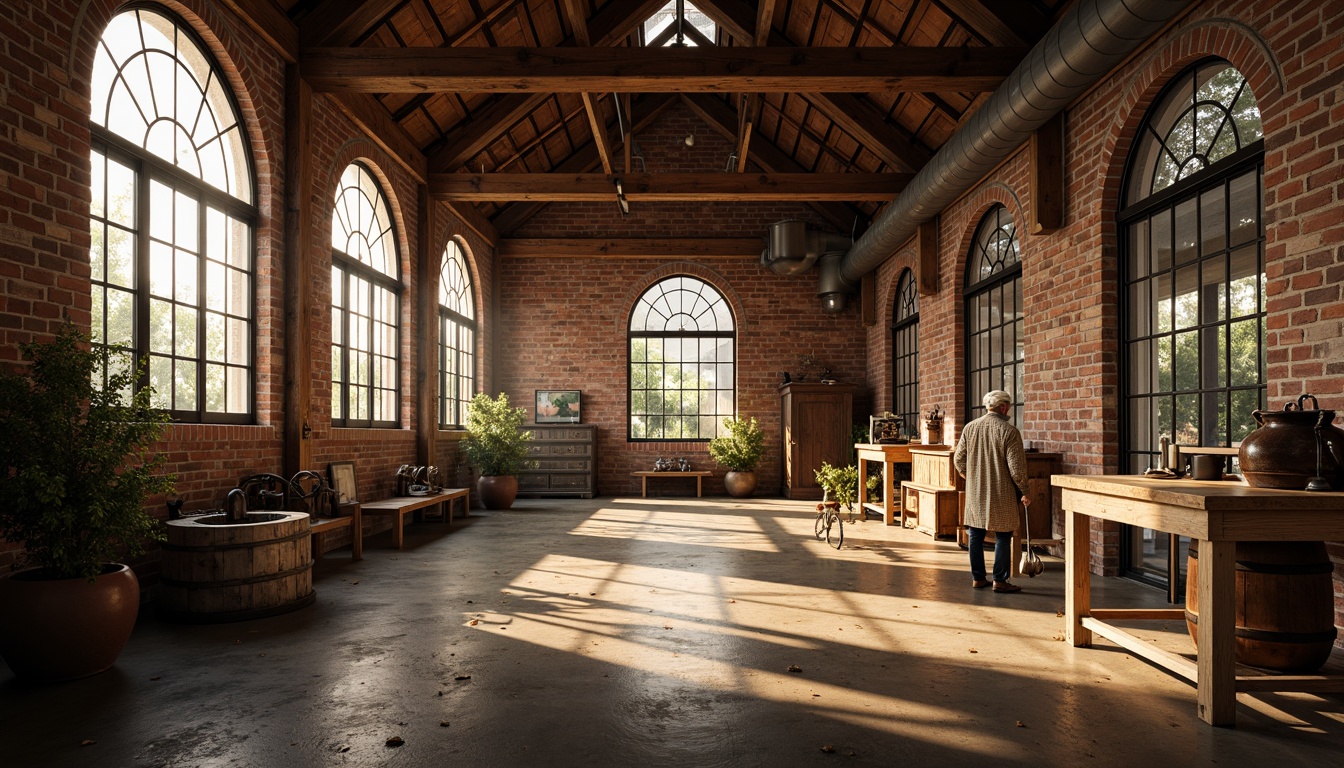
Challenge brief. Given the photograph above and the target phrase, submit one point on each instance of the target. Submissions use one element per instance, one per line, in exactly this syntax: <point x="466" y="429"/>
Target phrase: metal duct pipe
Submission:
<point x="794" y="248"/>
<point x="1091" y="39"/>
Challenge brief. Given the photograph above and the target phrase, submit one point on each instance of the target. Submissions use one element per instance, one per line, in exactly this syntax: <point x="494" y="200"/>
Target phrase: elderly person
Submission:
<point x="990" y="456"/>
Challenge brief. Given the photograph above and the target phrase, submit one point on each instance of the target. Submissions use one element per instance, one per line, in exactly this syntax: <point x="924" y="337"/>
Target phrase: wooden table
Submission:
<point x="889" y="455"/>
<point x="644" y="475"/>
<point x="400" y="506"/>
<point x="1218" y="514"/>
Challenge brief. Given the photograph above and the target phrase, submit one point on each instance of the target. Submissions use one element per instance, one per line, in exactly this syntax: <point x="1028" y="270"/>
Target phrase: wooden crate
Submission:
<point x="933" y="468"/>
<point x="934" y="509"/>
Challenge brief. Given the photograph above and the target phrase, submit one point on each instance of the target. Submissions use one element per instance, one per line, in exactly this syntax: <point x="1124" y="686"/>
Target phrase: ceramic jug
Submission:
<point x="1282" y="451"/>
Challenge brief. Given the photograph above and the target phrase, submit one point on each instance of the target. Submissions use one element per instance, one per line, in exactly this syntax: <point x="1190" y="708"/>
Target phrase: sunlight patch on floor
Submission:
<point x="691" y="528"/>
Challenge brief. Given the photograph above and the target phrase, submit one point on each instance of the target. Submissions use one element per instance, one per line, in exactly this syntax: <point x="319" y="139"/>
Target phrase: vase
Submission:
<point x="739" y="484"/>
<point x="1283" y="451"/>
<point x="64" y="629"/>
<point x="497" y="491"/>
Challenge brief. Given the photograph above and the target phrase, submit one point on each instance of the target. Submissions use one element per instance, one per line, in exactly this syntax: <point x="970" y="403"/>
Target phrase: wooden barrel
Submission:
<point x="217" y="573"/>
<point x="1285" y="615"/>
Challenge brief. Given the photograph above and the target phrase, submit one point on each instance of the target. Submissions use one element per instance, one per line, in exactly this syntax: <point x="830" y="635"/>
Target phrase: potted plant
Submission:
<point x="740" y="449"/>
<point x="76" y="468"/>
<point x="496" y="445"/>
<point x="839" y="484"/>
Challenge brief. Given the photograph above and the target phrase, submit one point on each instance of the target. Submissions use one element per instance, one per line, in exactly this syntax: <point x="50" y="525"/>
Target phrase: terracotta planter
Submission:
<point x="740" y="485"/>
<point x="62" y="629"/>
<point x="497" y="491"/>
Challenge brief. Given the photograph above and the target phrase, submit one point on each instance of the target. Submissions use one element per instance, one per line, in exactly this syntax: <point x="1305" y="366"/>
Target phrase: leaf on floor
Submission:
<point x="473" y="623"/>
<point x="342" y="747"/>
<point x="443" y="723"/>
<point x="1021" y="724"/>
<point x="972" y="650"/>
<point x="87" y="742"/>
<point x="795" y="668"/>
<point x="462" y="677"/>
<point x="395" y="741"/>
<point x="828" y="749"/>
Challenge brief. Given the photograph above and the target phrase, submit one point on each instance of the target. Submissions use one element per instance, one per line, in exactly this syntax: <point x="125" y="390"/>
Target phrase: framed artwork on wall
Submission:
<point x="342" y="474"/>
<point x="558" y="406"/>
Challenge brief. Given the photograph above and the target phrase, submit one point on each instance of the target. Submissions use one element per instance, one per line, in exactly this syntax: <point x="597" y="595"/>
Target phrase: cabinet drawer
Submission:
<point x="538" y="450"/>
<point x="575" y="465"/>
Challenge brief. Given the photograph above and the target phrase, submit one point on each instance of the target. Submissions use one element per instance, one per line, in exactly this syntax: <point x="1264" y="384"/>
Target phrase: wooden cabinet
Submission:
<point x="566" y="461"/>
<point x="815" y="420"/>
<point x="933" y="496"/>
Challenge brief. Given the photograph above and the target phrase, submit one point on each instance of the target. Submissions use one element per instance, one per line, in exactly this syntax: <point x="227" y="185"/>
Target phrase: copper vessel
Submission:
<point x="1283" y="452"/>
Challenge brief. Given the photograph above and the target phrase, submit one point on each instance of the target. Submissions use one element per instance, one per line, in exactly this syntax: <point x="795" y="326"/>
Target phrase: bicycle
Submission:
<point x="829" y="526"/>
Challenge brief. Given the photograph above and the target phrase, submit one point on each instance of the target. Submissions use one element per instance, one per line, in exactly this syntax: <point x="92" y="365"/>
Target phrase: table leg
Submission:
<point x="1216" y="661"/>
<point x="863" y="484"/>
<point x="1077" y="578"/>
<point x="398" y="528"/>
<point x="357" y="535"/>
<point x="698" y="484"/>
<point x="644" y="487"/>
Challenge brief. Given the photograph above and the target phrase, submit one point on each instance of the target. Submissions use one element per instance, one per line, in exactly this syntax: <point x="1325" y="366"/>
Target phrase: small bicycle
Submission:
<point x="829" y="525"/>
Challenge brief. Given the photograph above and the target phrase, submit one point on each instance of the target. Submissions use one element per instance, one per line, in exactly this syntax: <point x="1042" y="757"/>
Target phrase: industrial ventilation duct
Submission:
<point x="1089" y="41"/>
<point x="794" y="248"/>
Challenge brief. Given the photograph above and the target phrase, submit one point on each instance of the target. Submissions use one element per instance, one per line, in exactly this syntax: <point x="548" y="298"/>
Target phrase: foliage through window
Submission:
<point x="905" y="352"/>
<point x="172" y="217"/>
<point x="682" y="361"/>
<point x="1193" y="266"/>
<point x="995" y="342"/>
<point x="457" y="338"/>
<point x="365" y="305"/>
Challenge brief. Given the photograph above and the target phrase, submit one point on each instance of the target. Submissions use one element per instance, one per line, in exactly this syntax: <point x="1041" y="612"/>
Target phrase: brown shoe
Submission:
<point x="979" y="584"/>
<point x="1003" y="586"/>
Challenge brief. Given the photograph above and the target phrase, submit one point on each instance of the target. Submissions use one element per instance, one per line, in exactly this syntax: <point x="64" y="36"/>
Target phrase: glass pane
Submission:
<point x="1140" y="426"/>
<point x="160" y="326"/>
<point x="1187" y="232"/>
<point x="1244" y="403"/>
<point x="1161" y="241"/>
<point x="1138" y="250"/>
<point x="1245" y="208"/>
<point x="1187" y="419"/>
<point x="1213" y="298"/>
<point x="185" y="332"/>
<point x="160" y="269"/>
<point x="1187" y="361"/>
<point x="214" y="388"/>
<point x="1244" y="351"/>
<point x="160" y="378"/>
<point x="1140" y="368"/>
<point x="184" y="282"/>
<point x="214" y="286"/>
<point x="161" y="203"/>
<point x="1138" y="310"/>
<point x="1162" y="303"/>
<point x="120" y="317"/>
<point x="1162" y="351"/>
<point x="187" y="222"/>
<point x="120" y="194"/>
<point x="238" y="342"/>
<point x="120" y="257"/>
<point x="1245" y="286"/>
<point x="1212" y="221"/>
<point x="1187" y="297"/>
<point x="184" y="395"/>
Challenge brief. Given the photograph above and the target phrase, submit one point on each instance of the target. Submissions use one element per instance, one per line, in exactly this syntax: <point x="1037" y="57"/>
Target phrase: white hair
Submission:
<point x="995" y="399"/>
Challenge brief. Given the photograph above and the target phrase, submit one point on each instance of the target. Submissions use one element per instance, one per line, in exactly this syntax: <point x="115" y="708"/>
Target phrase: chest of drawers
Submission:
<point x="565" y="461"/>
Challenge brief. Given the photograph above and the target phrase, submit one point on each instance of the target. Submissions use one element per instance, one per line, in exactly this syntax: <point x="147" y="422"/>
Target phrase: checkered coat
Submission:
<point x="990" y="456"/>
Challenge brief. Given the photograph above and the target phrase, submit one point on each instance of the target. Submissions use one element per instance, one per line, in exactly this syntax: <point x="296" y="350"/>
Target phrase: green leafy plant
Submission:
<point x="841" y="484"/>
<point x="741" y="449"/>
<point x="76" y="459"/>
<point x="495" y="444"/>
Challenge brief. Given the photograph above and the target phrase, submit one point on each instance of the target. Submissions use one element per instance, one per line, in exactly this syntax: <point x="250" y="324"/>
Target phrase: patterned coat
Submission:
<point x="990" y="456"/>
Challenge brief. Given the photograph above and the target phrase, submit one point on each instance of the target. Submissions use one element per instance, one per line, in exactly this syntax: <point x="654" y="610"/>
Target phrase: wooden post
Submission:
<point x="427" y="339"/>
<point x="1047" y="177"/>
<point x="298" y="363"/>
<point x="1077" y="577"/>
<point x="926" y="244"/>
<point x="1216" y="663"/>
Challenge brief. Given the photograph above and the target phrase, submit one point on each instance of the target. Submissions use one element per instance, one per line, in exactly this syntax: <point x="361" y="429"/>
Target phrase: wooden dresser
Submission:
<point x="566" y="461"/>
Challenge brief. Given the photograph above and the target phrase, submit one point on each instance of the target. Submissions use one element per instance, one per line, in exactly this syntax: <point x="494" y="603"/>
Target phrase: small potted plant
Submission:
<point x="77" y="466"/>
<point x="496" y="446"/>
<point x="739" y="450"/>
<point x="839" y="484"/>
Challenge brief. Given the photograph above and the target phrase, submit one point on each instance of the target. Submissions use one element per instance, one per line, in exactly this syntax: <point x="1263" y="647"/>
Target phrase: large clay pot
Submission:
<point x="1282" y="452"/>
<point x="739" y="485"/>
<point x="497" y="491"/>
<point x="1285" y="609"/>
<point x="63" y="629"/>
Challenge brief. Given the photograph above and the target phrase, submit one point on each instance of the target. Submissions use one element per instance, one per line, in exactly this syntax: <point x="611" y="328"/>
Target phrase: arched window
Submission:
<point x="994" y="339"/>
<point x="457" y="338"/>
<point x="1193" y="265"/>
<point x="905" y="351"/>
<point x="365" y="305"/>
<point x="1192" y="283"/>
<point x="682" y="361"/>
<point x="172" y="218"/>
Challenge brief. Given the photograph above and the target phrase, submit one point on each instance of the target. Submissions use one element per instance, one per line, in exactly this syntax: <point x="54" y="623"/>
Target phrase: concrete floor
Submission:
<point x="643" y="632"/>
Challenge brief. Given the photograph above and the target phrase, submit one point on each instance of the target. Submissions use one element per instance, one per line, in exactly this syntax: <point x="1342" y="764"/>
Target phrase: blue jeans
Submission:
<point x="1003" y="555"/>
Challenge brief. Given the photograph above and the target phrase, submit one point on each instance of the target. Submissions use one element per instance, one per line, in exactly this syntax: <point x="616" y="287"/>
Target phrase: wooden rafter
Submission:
<point x="632" y="248"/>
<point x="597" y="122"/>
<point x="342" y="22"/>
<point x="869" y="127"/>
<point x="269" y="20"/>
<point x="721" y="187"/>
<point x="679" y="70"/>
<point x="722" y="119"/>
<point x="472" y="138"/>
<point x="999" y="22"/>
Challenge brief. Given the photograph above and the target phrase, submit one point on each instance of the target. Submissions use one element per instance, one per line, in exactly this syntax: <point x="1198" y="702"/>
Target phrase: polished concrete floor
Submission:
<point x="643" y="632"/>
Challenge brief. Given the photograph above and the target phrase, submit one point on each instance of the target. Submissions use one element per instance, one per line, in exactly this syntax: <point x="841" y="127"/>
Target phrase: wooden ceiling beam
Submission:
<point x="341" y="22"/>
<point x="472" y="138"/>
<point x="269" y="20"/>
<point x="597" y="123"/>
<point x="372" y="117"/>
<point x="631" y="248"/>
<point x="618" y="19"/>
<point x="1001" y="22"/>
<point x="722" y="118"/>
<point x="663" y="70"/>
<point x="869" y="127"/>
<point x="668" y="187"/>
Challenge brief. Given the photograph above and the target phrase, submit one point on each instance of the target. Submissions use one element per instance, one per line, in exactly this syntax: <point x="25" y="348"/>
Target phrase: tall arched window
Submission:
<point x="172" y="217"/>
<point x="682" y="361"/>
<point x="905" y="351"/>
<point x="457" y="338"/>
<point x="1192" y="294"/>
<point x="994" y="339"/>
<point x="365" y="305"/>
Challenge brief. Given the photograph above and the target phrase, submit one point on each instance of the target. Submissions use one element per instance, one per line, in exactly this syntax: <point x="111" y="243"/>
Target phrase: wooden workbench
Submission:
<point x="889" y="455"/>
<point x="645" y="474"/>
<point x="398" y="507"/>
<point x="1218" y="514"/>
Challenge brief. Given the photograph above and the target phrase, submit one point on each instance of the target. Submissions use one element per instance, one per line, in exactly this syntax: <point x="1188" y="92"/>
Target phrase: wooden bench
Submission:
<point x="398" y="507"/>
<point x="644" y="475"/>
<point x="354" y="521"/>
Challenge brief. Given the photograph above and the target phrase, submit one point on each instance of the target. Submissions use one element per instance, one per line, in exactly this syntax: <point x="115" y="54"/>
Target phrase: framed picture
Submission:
<point x="557" y="406"/>
<point x="342" y="474"/>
